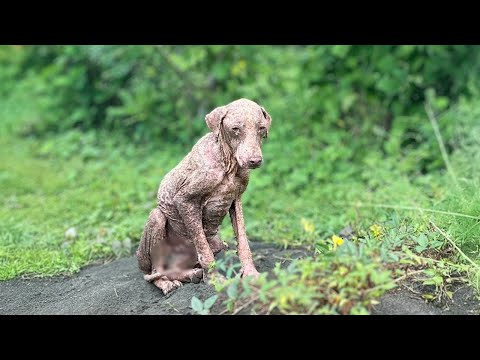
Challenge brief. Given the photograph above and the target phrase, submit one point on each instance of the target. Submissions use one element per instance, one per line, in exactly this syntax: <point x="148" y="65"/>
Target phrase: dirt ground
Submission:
<point x="118" y="288"/>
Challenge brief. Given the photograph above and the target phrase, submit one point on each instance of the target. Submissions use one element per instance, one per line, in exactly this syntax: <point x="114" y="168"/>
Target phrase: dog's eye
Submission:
<point x="235" y="130"/>
<point x="263" y="132"/>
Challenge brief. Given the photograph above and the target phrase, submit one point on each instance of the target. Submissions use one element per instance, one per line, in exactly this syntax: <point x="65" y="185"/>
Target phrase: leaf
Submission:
<point x="246" y="287"/>
<point x="340" y="51"/>
<point x="436" y="244"/>
<point x="348" y="101"/>
<point x="219" y="286"/>
<point x="430" y="272"/>
<point x="422" y="240"/>
<point x="388" y="85"/>
<point x="292" y="267"/>
<point x="419" y="248"/>
<point x="441" y="102"/>
<point x="210" y="301"/>
<point x="221" y="265"/>
<point x="197" y="304"/>
<point x="229" y="272"/>
<point x="232" y="291"/>
<point x="394" y="257"/>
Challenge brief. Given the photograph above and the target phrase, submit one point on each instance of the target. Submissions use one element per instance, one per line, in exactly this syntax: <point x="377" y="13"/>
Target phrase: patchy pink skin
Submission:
<point x="181" y="237"/>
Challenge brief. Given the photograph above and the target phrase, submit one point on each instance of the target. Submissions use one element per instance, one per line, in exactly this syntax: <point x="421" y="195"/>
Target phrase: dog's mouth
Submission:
<point x="254" y="166"/>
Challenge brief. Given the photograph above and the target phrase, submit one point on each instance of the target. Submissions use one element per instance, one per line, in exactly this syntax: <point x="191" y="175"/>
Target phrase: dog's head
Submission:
<point x="241" y="125"/>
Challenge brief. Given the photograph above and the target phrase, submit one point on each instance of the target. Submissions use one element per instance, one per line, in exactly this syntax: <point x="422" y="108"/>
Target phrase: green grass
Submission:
<point x="82" y="181"/>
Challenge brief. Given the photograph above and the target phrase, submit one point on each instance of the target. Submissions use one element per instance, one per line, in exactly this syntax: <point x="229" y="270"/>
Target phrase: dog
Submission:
<point x="181" y="239"/>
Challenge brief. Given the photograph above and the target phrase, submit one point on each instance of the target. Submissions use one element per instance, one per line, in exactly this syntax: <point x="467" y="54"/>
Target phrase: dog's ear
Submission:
<point x="268" y="117"/>
<point x="215" y="117"/>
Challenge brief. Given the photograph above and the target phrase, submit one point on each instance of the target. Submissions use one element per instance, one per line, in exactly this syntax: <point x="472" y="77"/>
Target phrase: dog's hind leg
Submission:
<point x="153" y="240"/>
<point x="190" y="275"/>
<point x="171" y="279"/>
<point x="155" y="255"/>
<point x="153" y="252"/>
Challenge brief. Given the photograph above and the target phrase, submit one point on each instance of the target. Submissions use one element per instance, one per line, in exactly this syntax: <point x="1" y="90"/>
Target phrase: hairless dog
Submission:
<point x="181" y="236"/>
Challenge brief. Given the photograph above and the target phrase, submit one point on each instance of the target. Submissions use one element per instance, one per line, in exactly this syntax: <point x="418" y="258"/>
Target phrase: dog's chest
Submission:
<point x="218" y="202"/>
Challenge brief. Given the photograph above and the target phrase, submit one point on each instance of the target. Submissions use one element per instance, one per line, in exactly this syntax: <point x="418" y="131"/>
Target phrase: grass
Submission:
<point x="76" y="180"/>
<point x="104" y="187"/>
<point x="43" y="197"/>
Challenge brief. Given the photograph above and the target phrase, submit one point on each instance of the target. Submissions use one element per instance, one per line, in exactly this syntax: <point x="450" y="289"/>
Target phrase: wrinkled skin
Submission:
<point x="181" y="236"/>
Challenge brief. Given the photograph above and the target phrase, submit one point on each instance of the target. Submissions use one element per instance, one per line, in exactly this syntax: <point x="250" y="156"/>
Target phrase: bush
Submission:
<point x="164" y="92"/>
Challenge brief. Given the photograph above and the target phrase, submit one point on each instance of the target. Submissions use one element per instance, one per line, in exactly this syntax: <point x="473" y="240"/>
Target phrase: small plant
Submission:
<point x="422" y="243"/>
<point x="203" y="308"/>
<point x="338" y="282"/>
<point x="229" y="264"/>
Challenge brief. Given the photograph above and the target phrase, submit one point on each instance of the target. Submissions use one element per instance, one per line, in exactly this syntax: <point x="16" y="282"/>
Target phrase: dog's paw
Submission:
<point x="167" y="286"/>
<point x="250" y="271"/>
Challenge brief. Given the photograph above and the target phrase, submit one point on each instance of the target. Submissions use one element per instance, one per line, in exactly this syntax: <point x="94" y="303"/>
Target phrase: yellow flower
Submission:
<point x="283" y="301"/>
<point x="307" y="225"/>
<point x="239" y="67"/>
<point x="337" y="241"/>
<point x="376" y="230"/>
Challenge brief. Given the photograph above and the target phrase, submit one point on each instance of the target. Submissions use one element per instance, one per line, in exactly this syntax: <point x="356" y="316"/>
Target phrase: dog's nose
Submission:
<point x="256" y="161"/>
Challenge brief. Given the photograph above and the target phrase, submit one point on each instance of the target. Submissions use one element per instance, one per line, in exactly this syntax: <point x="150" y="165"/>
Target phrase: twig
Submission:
<point x="454" y="245"/>
<point x="471" y="228"/>
<point x="115" y="291"/>
<point x="223" y="312"/>
<point x="443" y="261"/>
<point x="252" y="300"/>
<point x="411" y="290"/>
<point x="438" y="135"/>
<point x="403" y="277"/>
<point x="282" y="258"/>
<point x="173" y="307"/>
<point x="414" y="208"/>
<point x="255" y="298"/>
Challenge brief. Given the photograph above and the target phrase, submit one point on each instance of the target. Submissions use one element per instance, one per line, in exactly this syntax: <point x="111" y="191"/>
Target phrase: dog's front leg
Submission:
<point x="191" y="214"/>
<point x="243" y="249"/>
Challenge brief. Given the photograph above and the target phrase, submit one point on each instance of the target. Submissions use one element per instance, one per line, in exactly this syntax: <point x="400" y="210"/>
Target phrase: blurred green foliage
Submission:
<point x="163" y="92"/>
<point x="329" y="103"/>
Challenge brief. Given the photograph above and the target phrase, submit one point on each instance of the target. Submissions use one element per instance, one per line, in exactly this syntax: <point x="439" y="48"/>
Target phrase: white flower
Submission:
<point x="71" y="233"/>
